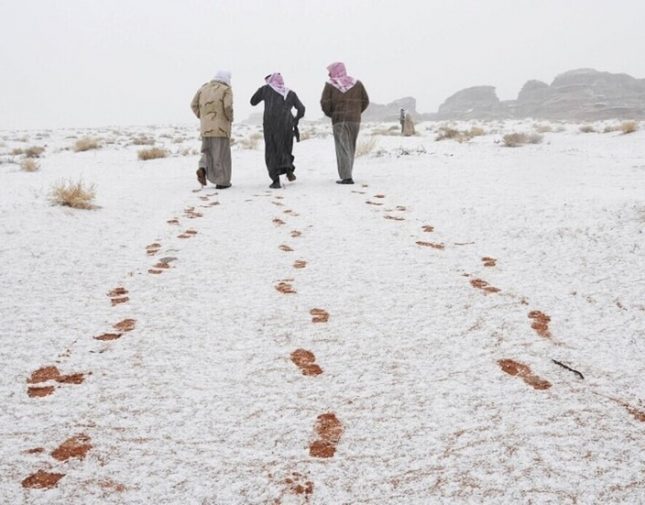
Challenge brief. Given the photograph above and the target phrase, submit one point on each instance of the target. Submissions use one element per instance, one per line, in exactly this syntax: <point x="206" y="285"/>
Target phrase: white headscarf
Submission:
<point x="223" y="76"/>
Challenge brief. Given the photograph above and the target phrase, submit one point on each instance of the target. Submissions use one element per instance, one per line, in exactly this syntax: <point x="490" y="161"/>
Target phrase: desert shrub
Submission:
<point x="73" y="194"/>
<point x="587" y="128"/>
<point x="250" y="142"/>
<point x="518" y="139"/>
<point x="446" y="132"/>
<point x="17" y="151"/>
<point x="152" y="153"/>
<point x="365" y="146"/>
<point x="543" y="128"/>
<point x="34" y="151"/>
<point x="143" y="140"/>
<point x="86" y="144"/>
<point x="628" y="127"/>
<point x="29" y="165"/>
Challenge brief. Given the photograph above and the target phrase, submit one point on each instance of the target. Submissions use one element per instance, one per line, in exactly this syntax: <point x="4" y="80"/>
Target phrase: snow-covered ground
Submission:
<point x="433" y="389"/>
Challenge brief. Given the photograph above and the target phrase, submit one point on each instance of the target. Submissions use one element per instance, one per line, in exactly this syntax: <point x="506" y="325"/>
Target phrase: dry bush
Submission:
<point x="611" y="128"/>
<point x="34" y="151"/>
<point x="29" y="165"/>
<point x="250" y="142"/>
<point x="446" y="132"/>
<point x="86" y="144"/>
<point x="365" y="146"/>
<point x="543" y="128"/>
<point x="17" y="151"/>
<point x="152" y="153"/>
<point x="518" y="139"/>
<point x="628" y="127"/>
<point x="587" y="128"/>
<point x="73" y="194"/>
<point x="143" y="140"/>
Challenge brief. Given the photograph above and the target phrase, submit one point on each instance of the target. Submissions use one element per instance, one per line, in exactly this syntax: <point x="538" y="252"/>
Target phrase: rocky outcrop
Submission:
<point x="583" y="95"/>
<point x="480" y="102"/>
<point x="390" y="111"/>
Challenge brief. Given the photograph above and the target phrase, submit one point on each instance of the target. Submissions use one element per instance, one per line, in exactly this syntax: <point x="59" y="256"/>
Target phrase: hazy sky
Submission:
<point x="118" y="62"/>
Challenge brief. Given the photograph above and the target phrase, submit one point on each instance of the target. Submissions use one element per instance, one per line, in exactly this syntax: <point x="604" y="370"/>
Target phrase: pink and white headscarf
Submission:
<point x="276" y="82"/>
<point x="338" y="77"/>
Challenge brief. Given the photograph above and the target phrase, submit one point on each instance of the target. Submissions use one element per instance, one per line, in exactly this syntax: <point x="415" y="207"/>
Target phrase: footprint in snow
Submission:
<point x="306" y="361"/>
<point x="523" y="371"/>
<point x="49" y="374"/>
<point x="328" y="431"/>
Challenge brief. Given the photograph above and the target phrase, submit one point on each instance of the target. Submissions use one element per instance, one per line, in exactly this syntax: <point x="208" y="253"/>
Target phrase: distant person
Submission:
<point x="402" y="119"/>
<point x="279" y="126"/>
<point x="408" y="125"/>
<point x="344" y="99"/>
<point x="213" y="105"/>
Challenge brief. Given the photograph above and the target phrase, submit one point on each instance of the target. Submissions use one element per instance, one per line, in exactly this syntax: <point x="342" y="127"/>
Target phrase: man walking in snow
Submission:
<point x="344" y="99"/>
<point x="213" y="105"/>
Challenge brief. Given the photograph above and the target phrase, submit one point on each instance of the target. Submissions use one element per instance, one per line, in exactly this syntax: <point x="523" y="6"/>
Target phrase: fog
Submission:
<point x="93" y="63"/>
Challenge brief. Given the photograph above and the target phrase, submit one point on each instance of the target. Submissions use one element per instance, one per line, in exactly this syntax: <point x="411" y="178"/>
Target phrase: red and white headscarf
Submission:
<point x="338" y="77"/>
<point x="276" y="82"/>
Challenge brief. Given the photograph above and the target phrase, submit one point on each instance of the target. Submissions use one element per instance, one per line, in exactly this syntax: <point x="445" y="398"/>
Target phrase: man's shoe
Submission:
<point x="345" y="181"/>
<point x="222" y="186"/>
<point x="275" y="184"/>
<point x="291" y="176"/>
<point x="201" y="176"/>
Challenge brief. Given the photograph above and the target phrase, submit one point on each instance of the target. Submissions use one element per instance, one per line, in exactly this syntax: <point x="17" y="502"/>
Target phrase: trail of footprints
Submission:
<point x="539" y="320"/>
<point x="46" y="380"/>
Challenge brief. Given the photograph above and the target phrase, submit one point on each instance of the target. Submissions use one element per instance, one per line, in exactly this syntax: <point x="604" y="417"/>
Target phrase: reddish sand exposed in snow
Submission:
<point x="285" y="248"/>
<point x="523" y="371"/>
<point x="118" y="301"/>
<point x="489" y="262"/>
<point x="125" y="325"/>
<point x="48" y="373"/>
<point x="320" y="315"/>
<point x="427" y="228"/>
<point x="117" y="292"/>
<point x="299" y="264"/>
<point x="328" y="431"/>
<point x="484" y="286"/>
<point x="74" y="447"/>
<point x="42" y="480"/>
<point x="285" y="288"/>
<point x="38" y="392"/>
<point x="108" y="336"/>
<point x="540" y="323"/>
<point x="306" y="361"/>
<point x="296" y="484"/>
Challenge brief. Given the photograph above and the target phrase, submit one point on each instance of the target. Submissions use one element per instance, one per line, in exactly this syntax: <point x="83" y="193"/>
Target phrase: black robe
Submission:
<point x="278" y="128"/>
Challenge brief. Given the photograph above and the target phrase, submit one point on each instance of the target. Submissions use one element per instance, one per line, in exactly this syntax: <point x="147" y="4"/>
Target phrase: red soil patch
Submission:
<point x="173" y="221"/>
<point x="75" y="378"/>
<point x="285" y="248"/>
<point x="380" y="195"/>
<point x="112" y="486"/>
<point x="540" y="323"/>
<point x="394" y="218"/>
<point x="369" y="202"/>
<point x="297" y="485"/>
<point x="329" y="430"/>
<point x="44" y="374"/>
<point x="299" y="264"/>
<point x="39" y="392"/>
<point x="125" y="325"/>
<point x="518" y="369"/>
<point x="320" y="315"/>
<point x="285" y="288"/>
<point x="484" y="286"/>
<point x="74" y="447"/>
<point x="639" y="415"/>
<point x="306" y="361"/>
<point x="431" y="244"/>
<point x="48" y="373"/>
<point x="117" y="301"/>
<point x="295" y="233"/>
<point x="108" y="336"/>
<point x="116" y="292"/>
<point x="489" y="262"/>
<point x="427" y="228"/>
<point x="278" y="222"/>
<point x="42" y="480"/>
